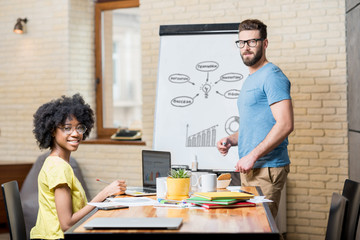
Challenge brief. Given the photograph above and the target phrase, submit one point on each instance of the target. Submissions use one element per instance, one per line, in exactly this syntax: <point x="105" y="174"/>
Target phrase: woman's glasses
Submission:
<point x="80" y="129"/>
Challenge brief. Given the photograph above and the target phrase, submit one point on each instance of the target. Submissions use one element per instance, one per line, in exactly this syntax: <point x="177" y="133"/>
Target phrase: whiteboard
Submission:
<point x="200" y="76"/>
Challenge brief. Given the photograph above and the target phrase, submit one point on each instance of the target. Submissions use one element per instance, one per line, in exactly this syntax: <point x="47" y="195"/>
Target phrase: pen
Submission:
<point x="245" y="192"/>
<point x="99" y="180"/>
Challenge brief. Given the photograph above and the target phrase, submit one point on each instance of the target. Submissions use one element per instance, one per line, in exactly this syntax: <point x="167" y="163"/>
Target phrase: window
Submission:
<point x="118" y="66"/>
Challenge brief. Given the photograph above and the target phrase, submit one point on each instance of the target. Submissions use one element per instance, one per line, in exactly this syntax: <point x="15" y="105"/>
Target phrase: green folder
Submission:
<point x="200" y="200"/>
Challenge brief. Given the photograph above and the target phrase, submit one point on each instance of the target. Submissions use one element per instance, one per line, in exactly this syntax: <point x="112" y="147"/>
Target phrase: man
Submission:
<point x="266" y="117"/>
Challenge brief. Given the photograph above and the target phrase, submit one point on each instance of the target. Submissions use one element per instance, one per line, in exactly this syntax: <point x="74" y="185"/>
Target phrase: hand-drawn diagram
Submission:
<point x="232" y="125"/>
<point x="204" y="138"/>
<point x="207" y="137"/>
<point x="207" y="86"/>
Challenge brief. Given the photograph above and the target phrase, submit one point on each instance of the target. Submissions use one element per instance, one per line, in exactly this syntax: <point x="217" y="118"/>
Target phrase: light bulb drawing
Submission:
<point x="206" y="67"/>
<point x="206" y="89"/>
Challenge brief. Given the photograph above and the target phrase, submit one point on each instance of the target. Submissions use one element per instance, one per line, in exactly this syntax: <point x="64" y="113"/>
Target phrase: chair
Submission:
<point x="358" y="230"/>
<point x="14" y="211"/>
<point x="351" y="191"/>
<point x="336" y="217"/>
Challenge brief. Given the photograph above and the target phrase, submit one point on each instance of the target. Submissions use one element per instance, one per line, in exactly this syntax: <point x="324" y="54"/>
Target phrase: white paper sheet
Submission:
<point x="133" y="201"/>
<point x="255" y="199"/>
<point x="259" y="199"/>
<point x="103" y="204"/>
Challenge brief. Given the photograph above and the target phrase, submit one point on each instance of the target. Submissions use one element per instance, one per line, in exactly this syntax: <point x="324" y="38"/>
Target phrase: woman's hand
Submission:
<point x="115" y="188"/>
<point x="63" y="202"/>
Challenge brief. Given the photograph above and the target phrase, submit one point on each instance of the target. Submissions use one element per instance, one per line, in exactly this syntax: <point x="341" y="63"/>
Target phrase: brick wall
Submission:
<point x="55" y="57"/>
<point x="33" y="69"/>
<point x="306" y="39"/>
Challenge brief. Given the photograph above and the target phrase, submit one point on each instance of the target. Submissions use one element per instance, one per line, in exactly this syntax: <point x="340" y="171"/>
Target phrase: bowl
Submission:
<point x="223" y="183"/>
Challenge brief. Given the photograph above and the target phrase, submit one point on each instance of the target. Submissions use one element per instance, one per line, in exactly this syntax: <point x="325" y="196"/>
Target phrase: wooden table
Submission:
<point x="227" y="223"/>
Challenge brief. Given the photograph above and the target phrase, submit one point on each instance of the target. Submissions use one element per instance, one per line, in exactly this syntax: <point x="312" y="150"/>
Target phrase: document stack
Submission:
<point x="221" y="199"/>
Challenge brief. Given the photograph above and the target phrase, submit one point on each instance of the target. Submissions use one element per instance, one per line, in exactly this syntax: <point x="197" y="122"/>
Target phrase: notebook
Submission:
<point x="154" y="164"/>
<point x="235" y="205"/>
<point x="223" y="195"/>
<point x="200" y="200"/>
<point x="134" y="223"/>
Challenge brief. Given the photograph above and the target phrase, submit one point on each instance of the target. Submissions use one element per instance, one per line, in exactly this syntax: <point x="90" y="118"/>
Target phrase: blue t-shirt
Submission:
<point x="266" y="86"/>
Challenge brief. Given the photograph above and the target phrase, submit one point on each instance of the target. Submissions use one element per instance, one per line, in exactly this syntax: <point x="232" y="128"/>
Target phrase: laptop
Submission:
<point x="134" y="223"/>
<point x="154" y="164"/>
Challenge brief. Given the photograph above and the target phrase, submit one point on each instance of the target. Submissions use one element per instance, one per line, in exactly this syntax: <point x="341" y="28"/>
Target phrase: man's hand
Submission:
<point x="225" y="143"/>
<point x="245" y="164"/>
<point x="223" y="146"/>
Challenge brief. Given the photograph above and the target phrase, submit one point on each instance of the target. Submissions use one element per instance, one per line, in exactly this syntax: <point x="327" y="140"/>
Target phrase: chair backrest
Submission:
<point x="351" y="191"/>
<point x="358" y="230"/>
<point x="14" y="211"/>
<point x="336" y="217"/>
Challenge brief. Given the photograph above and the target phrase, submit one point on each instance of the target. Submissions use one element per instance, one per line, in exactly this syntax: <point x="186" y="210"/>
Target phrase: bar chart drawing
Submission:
<point x="203" y="138"/>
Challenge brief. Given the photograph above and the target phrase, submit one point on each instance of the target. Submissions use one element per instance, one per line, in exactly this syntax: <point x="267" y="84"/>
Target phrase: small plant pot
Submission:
<point x="178" y="188"/>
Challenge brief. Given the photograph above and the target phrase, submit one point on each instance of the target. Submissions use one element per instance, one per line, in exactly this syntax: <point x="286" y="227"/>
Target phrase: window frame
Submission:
<point x="103" y="132"/>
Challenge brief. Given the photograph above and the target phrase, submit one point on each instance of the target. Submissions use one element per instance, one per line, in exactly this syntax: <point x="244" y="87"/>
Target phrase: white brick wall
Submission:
<point x="306" y="39"/>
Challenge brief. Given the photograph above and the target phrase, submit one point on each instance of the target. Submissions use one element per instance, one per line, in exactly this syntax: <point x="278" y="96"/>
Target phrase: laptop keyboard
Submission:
<point x="148" y="190"/>
<point x="143" y="189"/>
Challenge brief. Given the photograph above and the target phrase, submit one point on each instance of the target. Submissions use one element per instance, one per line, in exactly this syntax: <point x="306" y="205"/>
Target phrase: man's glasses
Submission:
<point x="251" y="42"/>
<point x="80" y="129"/>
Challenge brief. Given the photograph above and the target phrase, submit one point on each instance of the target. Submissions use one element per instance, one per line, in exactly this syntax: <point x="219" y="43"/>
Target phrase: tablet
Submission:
<point x="112" y="207"/>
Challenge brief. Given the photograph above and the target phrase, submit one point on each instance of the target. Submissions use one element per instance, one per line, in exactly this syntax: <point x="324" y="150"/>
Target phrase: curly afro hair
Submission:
<point x="55" y="113"/>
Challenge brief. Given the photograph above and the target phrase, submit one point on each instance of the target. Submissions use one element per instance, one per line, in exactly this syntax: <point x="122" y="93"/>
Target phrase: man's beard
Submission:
<point x="252" y="61"/>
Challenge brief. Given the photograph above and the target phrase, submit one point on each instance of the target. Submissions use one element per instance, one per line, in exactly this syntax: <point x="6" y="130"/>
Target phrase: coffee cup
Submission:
<point x="207" y="182"/>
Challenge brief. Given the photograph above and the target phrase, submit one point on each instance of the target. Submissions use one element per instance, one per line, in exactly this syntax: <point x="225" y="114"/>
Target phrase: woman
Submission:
<point x="61" y="125"/>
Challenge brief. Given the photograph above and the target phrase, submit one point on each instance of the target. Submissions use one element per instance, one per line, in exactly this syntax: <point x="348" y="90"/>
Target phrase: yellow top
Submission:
<point x="55" y="171"/>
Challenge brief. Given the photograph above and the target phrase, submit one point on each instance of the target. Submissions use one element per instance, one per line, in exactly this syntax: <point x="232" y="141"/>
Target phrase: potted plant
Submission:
<point x="178" y="184"/>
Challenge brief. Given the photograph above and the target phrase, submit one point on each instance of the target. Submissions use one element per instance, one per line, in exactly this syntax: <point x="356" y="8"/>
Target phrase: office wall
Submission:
<point x="306" y="39"/>
<point x="353" y="71"/>
<point x="54" y="57"/>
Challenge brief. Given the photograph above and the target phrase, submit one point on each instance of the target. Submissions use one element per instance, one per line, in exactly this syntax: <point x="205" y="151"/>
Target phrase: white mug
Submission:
<point x="207" y="182"/>
<point x="161" y="188"/>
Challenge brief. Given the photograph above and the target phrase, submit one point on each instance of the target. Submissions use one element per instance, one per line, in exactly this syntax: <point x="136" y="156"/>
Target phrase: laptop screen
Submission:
<point x="155" y="164"/>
